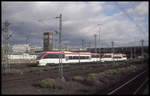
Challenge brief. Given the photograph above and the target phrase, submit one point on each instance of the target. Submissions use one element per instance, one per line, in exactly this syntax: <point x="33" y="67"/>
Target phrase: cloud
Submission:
<point x="79" y="21"/>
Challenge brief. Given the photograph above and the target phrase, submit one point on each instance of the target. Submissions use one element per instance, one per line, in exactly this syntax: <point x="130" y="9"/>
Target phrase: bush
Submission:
<point x="105" y="81"/>
<point x="92" y="79"/>
<point x="14" y="71"/>
<point x="123" y="70"/>
<point x="78" y="78"/>
<point x="92" y="76"/>
<point x="48" y="83"/>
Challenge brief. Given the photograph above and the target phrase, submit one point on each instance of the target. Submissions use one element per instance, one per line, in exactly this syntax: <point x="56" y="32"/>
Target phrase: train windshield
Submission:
<point x="40" y="55"/>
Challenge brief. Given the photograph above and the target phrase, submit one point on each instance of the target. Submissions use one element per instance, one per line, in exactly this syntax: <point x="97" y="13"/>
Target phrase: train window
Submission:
<point x="61" y="56"/>
<point x="40" y="55"/>
<point x="74" y="57"/>
<point x="51" y="56"/>
<point x="87" y="57"/>
<point x="83" y="57"/>
<point x="70" y="57"/>
<point x="47" y="56"/>
<point x="117" y="57"/>
<point x="107" y="56"/>
<point x="93" y="56"/>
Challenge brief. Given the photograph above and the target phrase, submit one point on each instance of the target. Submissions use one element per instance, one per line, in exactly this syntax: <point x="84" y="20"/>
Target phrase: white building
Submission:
<point x="21" y="48"/>
<point x="35" y="48"/>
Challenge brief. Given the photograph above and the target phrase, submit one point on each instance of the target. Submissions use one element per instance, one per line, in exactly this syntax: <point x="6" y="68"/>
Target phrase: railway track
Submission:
<point x="69" y="70"/>
<point x="133" y="86"/>
<point x="54" y="66"/>
<point x="10" y="81"/>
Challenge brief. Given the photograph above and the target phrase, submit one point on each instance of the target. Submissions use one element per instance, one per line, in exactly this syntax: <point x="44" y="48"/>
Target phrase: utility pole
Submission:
<point x="131" y="51"/>
<point x="55" y="43"/>
<point x="89" y="44"/>
<point x="142" y="51"/>
<point x="60" y="56"/>
<point x="66" y="46"/>
<point x="113" y="50"/>
<point x="6" y="66"/>
<point x="95" y="43"/>
<point x="135" y="52"/>
<point x="82" y="43"/>
<point x="27" y="42"/>
<point x="99" y="44"/>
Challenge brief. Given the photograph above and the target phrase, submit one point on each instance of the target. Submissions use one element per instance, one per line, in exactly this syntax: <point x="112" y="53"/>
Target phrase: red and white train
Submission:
<point x="66" y="57"/>
<point x="113" y="57"/>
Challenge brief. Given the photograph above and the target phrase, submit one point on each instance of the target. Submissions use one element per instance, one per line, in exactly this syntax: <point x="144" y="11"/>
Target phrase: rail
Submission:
<point x="115" y="90"/>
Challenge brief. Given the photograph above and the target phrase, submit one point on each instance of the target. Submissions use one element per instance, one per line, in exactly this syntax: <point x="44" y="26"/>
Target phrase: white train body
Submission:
<point x="113" y="57"/>
<point x="66" y="57"/>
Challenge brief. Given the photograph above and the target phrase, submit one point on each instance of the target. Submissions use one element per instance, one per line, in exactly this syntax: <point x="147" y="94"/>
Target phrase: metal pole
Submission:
<point x="99" y="44"/>
<point x="60" y="56"/>
<point x="131" y="53"/>
<point x="79" y="55"/>
<point x="135" y="52"/>
<point x="82" y="43"/>
<point x="95" y="44"/>
<point x="113" y="51"/>
<point x="89" y="44"/>
<point x="142" y="52"/>
<point x="6" y="63"/>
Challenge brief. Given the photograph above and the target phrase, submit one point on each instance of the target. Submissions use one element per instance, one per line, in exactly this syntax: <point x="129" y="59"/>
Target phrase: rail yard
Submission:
<point x="84" y="78"/>
<point x="75" y="48"/>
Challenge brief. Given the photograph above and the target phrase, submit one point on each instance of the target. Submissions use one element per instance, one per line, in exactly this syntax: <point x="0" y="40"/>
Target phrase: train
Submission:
<point x="52" y="57"/>
<point x="45" y="58"/>
<point x="113" y="57"/>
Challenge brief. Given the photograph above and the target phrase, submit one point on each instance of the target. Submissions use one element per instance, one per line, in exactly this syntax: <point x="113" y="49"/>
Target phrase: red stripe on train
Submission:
<point x="67" y="53"/>
<point x="74" y="53"/>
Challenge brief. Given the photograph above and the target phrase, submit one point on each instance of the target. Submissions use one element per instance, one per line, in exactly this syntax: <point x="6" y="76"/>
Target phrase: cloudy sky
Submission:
<point x="125" y="23"/>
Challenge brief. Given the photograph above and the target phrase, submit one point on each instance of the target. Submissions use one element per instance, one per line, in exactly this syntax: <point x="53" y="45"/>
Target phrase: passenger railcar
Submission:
<point x="113" y="57"/>
<point x="65" y="57"/>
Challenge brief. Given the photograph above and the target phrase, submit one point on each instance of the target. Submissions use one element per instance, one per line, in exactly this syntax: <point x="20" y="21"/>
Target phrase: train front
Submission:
<point x="39" y="59"/>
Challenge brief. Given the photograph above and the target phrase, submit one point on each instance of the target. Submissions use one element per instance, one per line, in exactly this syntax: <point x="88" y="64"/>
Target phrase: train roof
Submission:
<point x="68" y="52"/>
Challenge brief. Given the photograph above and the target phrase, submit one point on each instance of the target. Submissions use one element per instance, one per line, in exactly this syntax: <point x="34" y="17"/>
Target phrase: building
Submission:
<point x="131" y="51"/>
<point x="25" y="48"/>
<point x="34" y="49"/>
<point x="21" y="48"/>
<point x="48" y="41"/>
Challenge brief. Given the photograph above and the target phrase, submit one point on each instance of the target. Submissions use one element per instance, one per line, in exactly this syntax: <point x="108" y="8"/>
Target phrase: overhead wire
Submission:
<point x="129" y="16"/>
<point x="126" y="13"/>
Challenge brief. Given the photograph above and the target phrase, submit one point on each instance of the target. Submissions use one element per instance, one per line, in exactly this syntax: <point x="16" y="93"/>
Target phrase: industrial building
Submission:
<point x="48" y="41"/>
<point x="131" y="51"/>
